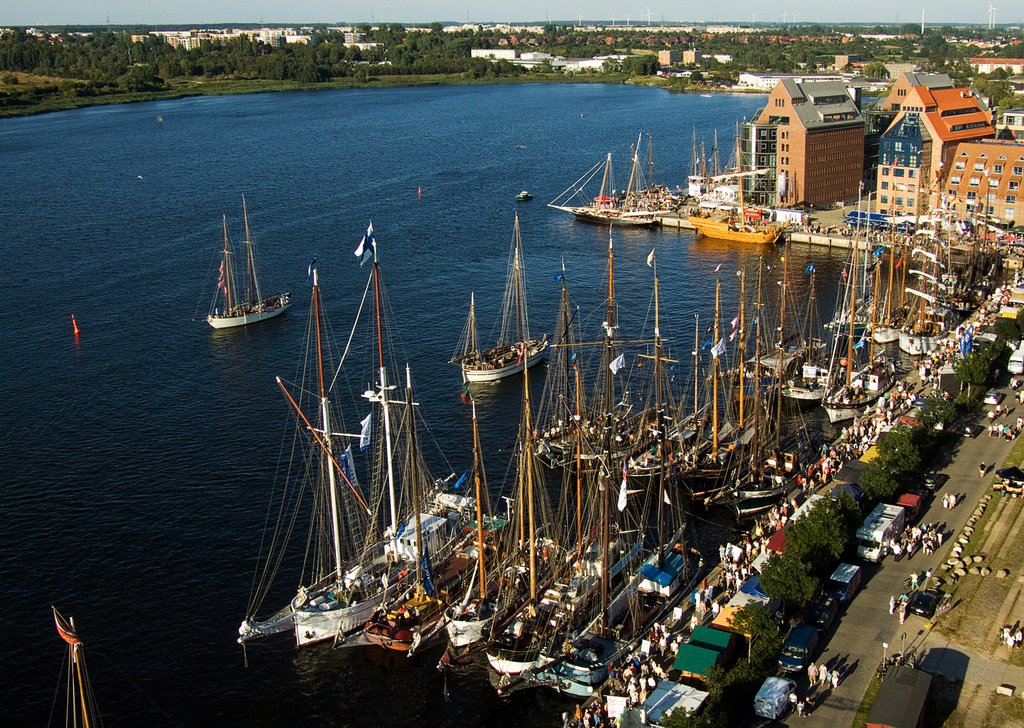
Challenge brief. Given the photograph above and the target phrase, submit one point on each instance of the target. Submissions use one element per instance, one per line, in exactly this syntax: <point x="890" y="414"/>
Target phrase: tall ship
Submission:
<point x="515" y="345"/>
<point x="366" y="538"/>
<point x="238" y="299"/>
<point x="635" y="206"/>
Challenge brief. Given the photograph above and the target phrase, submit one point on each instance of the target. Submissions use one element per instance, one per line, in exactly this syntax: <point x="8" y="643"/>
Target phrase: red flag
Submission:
<point x="65" y="629"/>
<point x="466" y="397"/>
<point x="220" y="276"/>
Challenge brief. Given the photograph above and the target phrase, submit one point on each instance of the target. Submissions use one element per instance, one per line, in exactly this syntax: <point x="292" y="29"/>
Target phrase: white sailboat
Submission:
<point x="514" y="344"/>
<point x="239" y="301"/>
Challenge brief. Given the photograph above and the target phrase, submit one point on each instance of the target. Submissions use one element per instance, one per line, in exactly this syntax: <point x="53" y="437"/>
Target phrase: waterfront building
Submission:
<point x="768" y="81"/>
<point x="986" y="180"/>
<point x="1011" y="126"/>
<point x="668" y="58"/>
<point x="810" y="140"/>
<point x="916" y="151"/>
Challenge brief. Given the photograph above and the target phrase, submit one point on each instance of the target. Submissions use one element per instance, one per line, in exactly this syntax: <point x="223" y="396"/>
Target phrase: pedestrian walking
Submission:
<point x="835" y="679"/>
<point x="981" y="470"/>
<point x="812" y="674"/>
<point x="800" y="707"/>
<point x="823" y="675"/>
<point x="892" y="604"/>
<point x="793" y="700"/>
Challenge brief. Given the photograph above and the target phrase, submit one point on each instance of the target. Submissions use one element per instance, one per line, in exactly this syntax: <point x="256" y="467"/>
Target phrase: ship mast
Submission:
<point x="254" y="284"/>
<point x="479" y="492"/>
<point x="742" y="347"/>
<point x="229" y="284"/>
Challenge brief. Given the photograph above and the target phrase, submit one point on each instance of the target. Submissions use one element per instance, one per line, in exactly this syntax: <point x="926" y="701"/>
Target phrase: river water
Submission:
<point x="137" y="456"/>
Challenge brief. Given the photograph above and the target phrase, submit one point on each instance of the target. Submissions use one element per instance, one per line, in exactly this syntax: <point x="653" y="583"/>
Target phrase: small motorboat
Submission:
<point x="524" y="196"/>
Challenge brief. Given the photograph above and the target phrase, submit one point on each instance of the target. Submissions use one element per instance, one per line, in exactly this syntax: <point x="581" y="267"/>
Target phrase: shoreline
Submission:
<point x="233" y="87"/>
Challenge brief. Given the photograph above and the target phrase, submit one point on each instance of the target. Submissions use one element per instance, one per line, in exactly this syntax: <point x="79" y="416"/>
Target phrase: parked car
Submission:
<point x="772" y="700"/>
<point x="822" y="613"/>
<point x="798" y="649"/>
<point x="925" y="602"/>
<point x="934" y="481"/>
<point x="993" y="397"/>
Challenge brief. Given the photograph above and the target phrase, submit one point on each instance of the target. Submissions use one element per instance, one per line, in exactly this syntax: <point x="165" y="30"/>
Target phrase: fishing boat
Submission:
<point x="636" y="206"/>
<point x="80" y="701"/>
<point x="357" y="565"/>
<point x="514" y="344"/>
<point x="524" y="196"/>
<point x="238" y="300"/>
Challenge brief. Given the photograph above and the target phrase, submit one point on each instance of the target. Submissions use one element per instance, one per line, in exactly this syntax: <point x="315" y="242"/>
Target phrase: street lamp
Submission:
<point x="885" y="652"/>
<point x="904" y="646"/>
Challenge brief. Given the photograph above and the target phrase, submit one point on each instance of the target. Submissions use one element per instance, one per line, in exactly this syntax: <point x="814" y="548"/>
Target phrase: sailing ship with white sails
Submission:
<point x="515" y="344"/>
<point x="238" y="299"/>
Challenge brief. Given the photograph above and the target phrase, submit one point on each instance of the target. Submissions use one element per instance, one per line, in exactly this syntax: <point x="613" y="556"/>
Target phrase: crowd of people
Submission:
<point x="927" y="537"/>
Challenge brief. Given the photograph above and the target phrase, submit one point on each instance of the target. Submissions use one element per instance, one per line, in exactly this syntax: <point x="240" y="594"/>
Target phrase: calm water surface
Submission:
<point x="138" y="457"/>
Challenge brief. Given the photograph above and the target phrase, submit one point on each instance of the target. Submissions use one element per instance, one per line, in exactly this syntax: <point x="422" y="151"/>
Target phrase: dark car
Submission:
<point x="822" y="613"/>
<point x="799" y="648"/>
<point x="934" y="481"/>
<point x="925" y="602"/>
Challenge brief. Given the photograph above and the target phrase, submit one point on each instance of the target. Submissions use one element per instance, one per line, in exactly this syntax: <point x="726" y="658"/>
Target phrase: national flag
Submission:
<point x="621" y="505"/>
<point x="845" y="273"/>
<point x="809" y="268"/>
<point x="879" y="251"/>
<point x="522" y="350"/>
<point x="559" y="277"/>
<point x="65" y="628"/>
<point x="367" y="246"/>
<point x="220" y="276"/>
<point x="364" y="434"/>
<point x="893" y="165"/>
<point x="465" y="394"/>
<point x="718" y="348"/>
<point x="860" y="344"/>
<point x="428" y="573"/>
<point x="734" y="334"/>
<point x="650" y="259"/>
<point x="617" y="363"/>
<point x="310" y="269"/>
<point x="348" y="468"/>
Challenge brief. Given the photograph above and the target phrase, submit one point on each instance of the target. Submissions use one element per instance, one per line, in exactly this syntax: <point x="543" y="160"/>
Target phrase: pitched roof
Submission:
<point x="819" y="104"/>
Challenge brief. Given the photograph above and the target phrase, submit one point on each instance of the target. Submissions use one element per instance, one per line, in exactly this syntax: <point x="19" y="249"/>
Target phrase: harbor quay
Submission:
<point x="870" y="628"/>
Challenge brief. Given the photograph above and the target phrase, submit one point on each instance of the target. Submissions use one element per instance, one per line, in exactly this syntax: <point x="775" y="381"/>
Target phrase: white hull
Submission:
<point x="885" y="335"/>
<point x="462" y="633"/>
<point x="493" y="375"/>
<point x="919" y="344"/>
<point x="840" y="413"/>
<point x="312" y="626"/>
<point x="227" y="322"/>
<point x="804" y="394"/>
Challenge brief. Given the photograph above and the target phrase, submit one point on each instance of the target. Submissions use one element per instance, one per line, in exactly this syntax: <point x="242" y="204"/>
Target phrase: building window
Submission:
<point x="979" y="166"/>
<point x="1018" y="171"/>
<point x="1008" y="213"/>
<point x="975" y="181"/>
<point x="958" y="165"/>
<point x="911" y="172"/>
<point x="1011" y="199"/>
<point x="885" y="199"/>
<point x="993" y="182"/>
<point x="991" y="210"/>
<point x="885" y="185"/>
<point x="972" y="195"/>
<point x="1014" y="184"/>
<point x="991" y="197"/>
<point x="899" y="201"/>
<point x="955" y="179"/>
<point x="910" y="202"/>
<point x="998" y="168"/>
<point x="885" y="171"/>
<point x="898" y="172"/>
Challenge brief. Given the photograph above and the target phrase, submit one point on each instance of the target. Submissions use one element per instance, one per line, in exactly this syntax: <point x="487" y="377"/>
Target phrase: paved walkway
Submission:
<point x="856" y="646"/>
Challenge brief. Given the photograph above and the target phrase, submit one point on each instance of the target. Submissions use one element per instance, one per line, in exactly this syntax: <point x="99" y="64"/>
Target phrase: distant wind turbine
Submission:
<point x="628" y="16"/>
<point x="991" y="16"/>
<point x="649" y="14"/>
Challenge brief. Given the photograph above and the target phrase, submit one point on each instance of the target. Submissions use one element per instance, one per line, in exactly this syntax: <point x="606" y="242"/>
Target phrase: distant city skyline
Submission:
<point x="633" y="12"/>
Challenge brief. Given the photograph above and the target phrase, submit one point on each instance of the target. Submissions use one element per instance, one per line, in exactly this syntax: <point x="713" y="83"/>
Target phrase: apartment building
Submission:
<point x="986" y="181"/>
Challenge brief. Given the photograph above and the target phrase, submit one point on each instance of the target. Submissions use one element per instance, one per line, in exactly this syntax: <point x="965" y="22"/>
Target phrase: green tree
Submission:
<point x="937" y="410"/>
<point x="876" y="69"/>
<point x="819" y="538"/>
<point x="786" y="578"/>
<point x="900" y="453"/>
<point x="878" y="483"/>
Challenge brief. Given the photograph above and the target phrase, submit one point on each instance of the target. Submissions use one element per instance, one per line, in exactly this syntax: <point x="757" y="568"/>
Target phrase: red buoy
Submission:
<point x="74" y="324"/>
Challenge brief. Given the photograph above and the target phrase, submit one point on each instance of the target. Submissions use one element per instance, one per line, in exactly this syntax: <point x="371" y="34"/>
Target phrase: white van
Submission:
<point x="1016" y="365"/>
<point x="772" y="700"/>
<point x="882" y="524"/>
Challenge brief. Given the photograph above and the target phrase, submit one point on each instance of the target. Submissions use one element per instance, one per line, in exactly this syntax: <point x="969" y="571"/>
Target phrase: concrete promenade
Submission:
<point x="856" y="645"/>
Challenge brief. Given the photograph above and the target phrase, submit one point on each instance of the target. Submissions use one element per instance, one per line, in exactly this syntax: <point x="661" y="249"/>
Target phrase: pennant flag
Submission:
<point x="367" y="246"/>
<point x="621" y="505"/>
<point x="64" y="628"/>
<point x="401" y="529"/>
<point x="465" y="394"/>
<point x="617" y="363"/>
<point x="718" y="349"/>
<point x="559" y="276"/>
<point x="672" y="367"/>
<point x="461" y="481"/>
<point x="719" y="267"/>
<point x="572" y="358"/>
<point x="428" y="573"/>
<point x="709" y="329"/>
<point x="734" y="334"/>
<point x="735" y="322"/>
<point x="706" y="344"/>
<point x="310" y="269"/>
<point x="347" y="467"/>
<point x="364" y="435"/>
<point x="753" y="321"/>
<point x="667" y="501"/>
<point x="879" y="251"/>
<point x="809" y="268"/>
<point x="650" y="258"/>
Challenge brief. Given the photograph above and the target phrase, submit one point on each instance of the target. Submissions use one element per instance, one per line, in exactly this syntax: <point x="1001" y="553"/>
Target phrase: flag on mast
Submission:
<point x="617" y="363"/>
<point x="367" y="246"/>
<point x="364" y="435"/>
